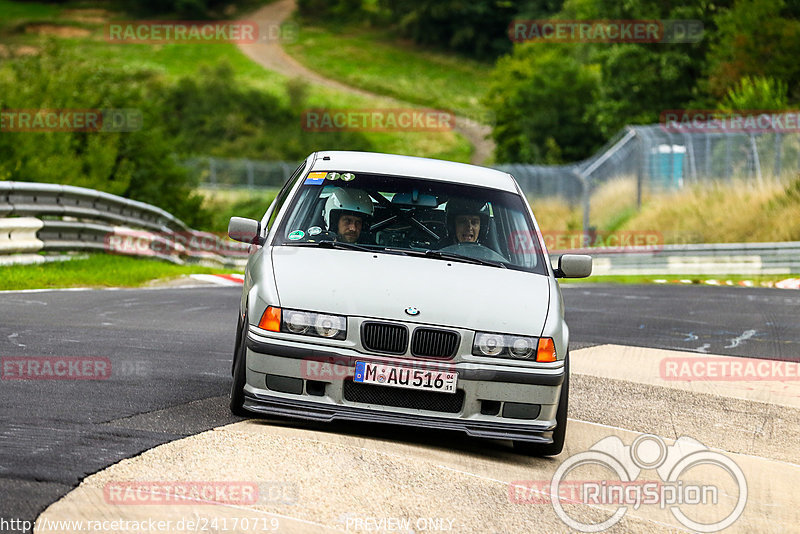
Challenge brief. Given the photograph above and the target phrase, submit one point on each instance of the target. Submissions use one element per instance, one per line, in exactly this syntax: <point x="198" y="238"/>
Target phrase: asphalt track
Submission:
<point x="170" y="356"/>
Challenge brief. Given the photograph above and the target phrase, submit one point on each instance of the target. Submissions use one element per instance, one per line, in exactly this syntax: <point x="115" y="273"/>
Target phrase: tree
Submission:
<point x="756" y="93"/>
<point x="477" y="28"/>
<point x="638" y="82"/>
<point x="540" y="97"/>
<point x="756" y="38"/>
<point x="136" y="164"/>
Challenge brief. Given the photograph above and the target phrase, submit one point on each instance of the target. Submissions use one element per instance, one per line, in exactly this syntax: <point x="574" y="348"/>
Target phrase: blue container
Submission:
<point x="666" y="166"/>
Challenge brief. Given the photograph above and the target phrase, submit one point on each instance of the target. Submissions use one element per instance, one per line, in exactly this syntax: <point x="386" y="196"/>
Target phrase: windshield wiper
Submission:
<point x="330" y="243"/>
<point x="438" y="254"/>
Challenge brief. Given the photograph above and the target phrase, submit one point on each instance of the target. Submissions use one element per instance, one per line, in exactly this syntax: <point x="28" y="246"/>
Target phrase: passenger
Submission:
<point x="347" y="213"/>
<point x="466" y="222"/>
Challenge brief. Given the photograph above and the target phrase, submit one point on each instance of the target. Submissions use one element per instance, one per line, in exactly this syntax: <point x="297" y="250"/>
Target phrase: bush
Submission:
<point x="138" y="164"/>
<point x="208" y="113"/>
<point x="540" y="98"/>
<point x="211" y="114"/>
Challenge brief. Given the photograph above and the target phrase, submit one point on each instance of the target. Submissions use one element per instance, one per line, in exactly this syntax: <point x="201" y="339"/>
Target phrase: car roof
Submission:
<point x="435" y="169"/>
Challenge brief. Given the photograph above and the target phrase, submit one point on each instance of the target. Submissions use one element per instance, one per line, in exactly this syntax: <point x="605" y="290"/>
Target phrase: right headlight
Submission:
<point x="517" y="347"/>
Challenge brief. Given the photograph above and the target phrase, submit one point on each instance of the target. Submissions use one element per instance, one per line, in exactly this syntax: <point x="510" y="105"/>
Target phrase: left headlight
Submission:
<point x="516" y="347"/>
<point x="304" y="323"/>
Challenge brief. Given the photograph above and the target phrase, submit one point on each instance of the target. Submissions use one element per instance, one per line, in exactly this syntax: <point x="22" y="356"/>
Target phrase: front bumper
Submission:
<point x="480" y="382"/>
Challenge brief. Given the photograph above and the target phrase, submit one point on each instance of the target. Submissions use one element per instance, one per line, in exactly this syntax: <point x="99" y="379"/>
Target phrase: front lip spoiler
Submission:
<point x="267" y="404"/>
<point x="517" y="376"/>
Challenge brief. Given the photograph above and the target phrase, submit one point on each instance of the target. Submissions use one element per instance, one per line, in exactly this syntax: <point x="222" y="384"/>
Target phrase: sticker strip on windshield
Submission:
<point x="315" y="178"/>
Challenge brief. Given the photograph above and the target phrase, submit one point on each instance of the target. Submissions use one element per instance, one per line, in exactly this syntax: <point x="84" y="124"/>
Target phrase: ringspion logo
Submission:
<point x="675" y="490"/>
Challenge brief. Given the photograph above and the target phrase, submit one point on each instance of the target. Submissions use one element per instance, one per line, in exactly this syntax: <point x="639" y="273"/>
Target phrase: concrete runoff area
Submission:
<point x="356" y="478"/>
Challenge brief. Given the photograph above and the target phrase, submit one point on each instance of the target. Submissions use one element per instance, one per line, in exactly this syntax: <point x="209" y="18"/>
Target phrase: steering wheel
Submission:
<point x="475" y="250"/>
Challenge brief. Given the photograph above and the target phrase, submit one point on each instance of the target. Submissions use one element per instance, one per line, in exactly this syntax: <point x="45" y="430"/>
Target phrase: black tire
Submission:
<point x="239" y="374"/>
<point x="236" y="344"/>
<point x="559" y="433"/>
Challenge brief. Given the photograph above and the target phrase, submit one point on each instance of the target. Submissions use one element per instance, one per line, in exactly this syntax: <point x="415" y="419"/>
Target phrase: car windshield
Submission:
<point x="403" y="215"/>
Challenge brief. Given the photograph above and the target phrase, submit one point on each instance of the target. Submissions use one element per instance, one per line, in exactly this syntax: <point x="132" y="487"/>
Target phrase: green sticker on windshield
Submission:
<point x="348" y="176"/>
<point x="297" y="234"/>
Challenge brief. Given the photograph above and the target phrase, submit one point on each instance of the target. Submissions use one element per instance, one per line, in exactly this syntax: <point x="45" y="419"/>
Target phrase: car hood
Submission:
<point x="446" y="293"/>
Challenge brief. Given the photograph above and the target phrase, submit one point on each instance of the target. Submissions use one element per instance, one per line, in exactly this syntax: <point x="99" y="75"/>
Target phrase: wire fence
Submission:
<point x="239" y="173"/>
<point x="652" y="157"/>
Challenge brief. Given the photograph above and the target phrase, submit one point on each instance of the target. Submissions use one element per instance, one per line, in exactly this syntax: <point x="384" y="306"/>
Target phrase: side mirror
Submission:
<point x="244" y="230"/>
<point x="574" y="266"/>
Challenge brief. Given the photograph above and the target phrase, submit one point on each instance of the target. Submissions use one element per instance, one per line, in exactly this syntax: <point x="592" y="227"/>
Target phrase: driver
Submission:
<point x="347" y="213"/>
<point x="466" y="220"/>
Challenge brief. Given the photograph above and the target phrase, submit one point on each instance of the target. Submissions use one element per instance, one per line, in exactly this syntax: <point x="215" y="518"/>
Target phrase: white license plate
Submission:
<point x="405" y="377"/>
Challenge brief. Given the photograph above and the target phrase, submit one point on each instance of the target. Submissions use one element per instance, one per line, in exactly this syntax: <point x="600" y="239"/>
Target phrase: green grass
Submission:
<point x="15" y="12"/>
<point x="178" y="60"/>
<point x="371" y="61"/>
<point x="98" y="270"/>
<point x="758" y="280"/>
<point x="226" y="203"/>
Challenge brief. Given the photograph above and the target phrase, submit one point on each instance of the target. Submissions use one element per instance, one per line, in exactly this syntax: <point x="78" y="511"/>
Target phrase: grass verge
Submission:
<point x="14" y="12"/>
<point x="716" y="212"/>
<point x="226" y="203"/>
<point x="98" y="270"/>
<point x="369" y="60"/>
<point x="757" y="280"/>
<point x="174" y="61"/>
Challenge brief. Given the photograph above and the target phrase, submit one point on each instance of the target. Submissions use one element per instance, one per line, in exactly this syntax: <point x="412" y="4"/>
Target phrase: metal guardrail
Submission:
<point x="711" y="259"/>
<point x="51" y="217"/>
<point x="78" y="219"/>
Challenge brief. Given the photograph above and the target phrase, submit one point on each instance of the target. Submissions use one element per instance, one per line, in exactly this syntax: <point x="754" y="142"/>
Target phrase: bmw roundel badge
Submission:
<point x="411" y="310"/>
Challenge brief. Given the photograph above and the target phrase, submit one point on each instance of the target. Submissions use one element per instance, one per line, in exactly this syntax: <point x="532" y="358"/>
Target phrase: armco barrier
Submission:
<point x="85" y="219"/>
<point x="19" y="235"/>
<point x="710" y="259"/>
<point x="50" y="217"/>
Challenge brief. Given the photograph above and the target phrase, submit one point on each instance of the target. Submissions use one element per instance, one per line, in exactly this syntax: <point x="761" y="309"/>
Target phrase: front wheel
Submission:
<point x="239" y="373"/>
<point x="559" y="433"/>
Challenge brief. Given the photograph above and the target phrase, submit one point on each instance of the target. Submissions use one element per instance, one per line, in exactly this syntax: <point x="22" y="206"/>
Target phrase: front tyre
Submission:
<point x="559" y="433"/>
<point x="239" y="374"/>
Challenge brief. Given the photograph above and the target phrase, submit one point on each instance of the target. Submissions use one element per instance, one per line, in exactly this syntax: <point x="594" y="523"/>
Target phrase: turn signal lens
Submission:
<point x="546" y="351"/>
<point x="271" y="319"/>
